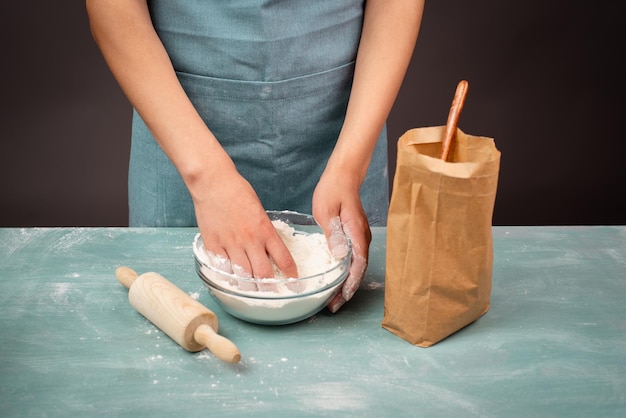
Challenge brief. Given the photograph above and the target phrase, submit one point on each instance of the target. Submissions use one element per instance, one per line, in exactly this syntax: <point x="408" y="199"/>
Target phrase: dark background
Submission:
<point x="544" y="79"/>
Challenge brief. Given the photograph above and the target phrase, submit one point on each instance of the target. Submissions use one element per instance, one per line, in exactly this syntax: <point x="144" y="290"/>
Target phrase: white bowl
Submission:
<point x="275" y="301"/>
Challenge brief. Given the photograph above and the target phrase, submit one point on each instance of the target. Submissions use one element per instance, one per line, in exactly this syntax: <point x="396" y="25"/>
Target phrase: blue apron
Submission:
<point x="271" y="79"/>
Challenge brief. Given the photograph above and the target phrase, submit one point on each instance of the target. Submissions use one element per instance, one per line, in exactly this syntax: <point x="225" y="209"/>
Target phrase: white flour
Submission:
<point x="309" y="251"/>
<point x="279" y="300"/>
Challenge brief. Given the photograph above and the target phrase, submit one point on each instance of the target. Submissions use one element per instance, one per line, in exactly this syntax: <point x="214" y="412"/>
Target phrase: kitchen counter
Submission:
<point x="553" y="343"/>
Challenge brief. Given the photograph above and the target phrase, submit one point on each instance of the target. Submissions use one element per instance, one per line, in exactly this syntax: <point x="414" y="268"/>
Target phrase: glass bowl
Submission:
<point x="274" y="301"/>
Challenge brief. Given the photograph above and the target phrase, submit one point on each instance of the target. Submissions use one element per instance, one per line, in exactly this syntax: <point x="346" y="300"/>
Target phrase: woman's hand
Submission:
<point x="338" y="210"/>
<point x="234" y="226"/>
<point x="390" y="29"/>
<point x="231" y="219"/>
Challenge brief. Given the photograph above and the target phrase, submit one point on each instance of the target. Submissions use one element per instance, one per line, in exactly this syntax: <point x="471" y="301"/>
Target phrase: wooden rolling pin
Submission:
<point x="182" y="318"/>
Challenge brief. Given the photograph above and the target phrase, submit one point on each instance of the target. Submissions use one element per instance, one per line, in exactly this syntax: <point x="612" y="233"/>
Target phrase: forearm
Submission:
<point x="124" y="32"/>
<point x="390" y="31"/>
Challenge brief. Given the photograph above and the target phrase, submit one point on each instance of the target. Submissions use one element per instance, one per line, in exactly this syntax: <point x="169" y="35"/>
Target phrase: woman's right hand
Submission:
<point x="234" y="225"/>
<point x="230" y="216"/>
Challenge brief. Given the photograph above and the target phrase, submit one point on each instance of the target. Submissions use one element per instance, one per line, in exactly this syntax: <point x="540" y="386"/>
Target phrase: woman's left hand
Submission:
<point x="338" y="210"/>
<point x="389" y="34"/>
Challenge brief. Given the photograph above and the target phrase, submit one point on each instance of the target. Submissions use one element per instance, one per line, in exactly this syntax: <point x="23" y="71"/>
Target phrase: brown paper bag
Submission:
<point x="439" y="241"/>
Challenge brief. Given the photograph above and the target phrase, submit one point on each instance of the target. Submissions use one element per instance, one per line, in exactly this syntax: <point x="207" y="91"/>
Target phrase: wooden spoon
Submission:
<point x="453" y="118"/>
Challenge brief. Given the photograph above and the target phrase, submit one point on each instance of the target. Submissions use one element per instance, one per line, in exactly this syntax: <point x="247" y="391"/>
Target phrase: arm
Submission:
<point x="390" y="31"/>
<point x="230" y="216"/>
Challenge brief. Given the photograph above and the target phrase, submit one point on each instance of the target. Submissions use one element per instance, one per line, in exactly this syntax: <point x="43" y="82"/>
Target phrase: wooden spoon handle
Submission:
<point x="453" y="118"/>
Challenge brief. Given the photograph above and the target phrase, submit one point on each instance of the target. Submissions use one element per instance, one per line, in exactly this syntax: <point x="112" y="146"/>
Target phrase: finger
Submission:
<point x="336" y="303"/>
<point x="360" y="251"/>
<point x="239" y="262"/>
<point x="241" y="267"/>
<point x="281" y="256"/>
<point x="261" y="265"/>
<point x="351" y="285"/>
<point x="262" y="269"/>
<point x="220" y="261"/>
<point x="357" y="271"/>
<point x="337" y="239"/>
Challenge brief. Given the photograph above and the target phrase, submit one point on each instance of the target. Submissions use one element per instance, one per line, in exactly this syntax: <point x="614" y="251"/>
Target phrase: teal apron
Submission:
<point x="271" y="79"/>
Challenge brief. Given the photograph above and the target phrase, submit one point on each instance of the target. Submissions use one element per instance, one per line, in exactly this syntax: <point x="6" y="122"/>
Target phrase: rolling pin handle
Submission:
<point x="222" y="347"/>
<point x="126" y="276"/>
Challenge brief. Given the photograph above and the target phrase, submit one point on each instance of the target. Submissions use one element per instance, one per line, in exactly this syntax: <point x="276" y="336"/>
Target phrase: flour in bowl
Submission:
<point x="277" y="300"/>
<point x="309" y="250"/>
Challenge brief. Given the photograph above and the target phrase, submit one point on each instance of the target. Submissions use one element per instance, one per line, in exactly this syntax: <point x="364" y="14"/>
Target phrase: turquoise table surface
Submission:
<point x="553" y="343"/>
